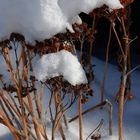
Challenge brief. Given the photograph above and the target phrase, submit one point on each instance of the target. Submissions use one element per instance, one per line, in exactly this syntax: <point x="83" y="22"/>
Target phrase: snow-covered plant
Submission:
<point x="41" y="19"/>
<point x="41" y="76"/>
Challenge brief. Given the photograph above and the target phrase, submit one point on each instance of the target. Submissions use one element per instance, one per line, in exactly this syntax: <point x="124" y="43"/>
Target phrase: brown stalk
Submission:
<point x="36" y="100"/>
<point x="56" y="114"/>
<point x="105" y="65"/>
<point x="92" y="40"/>
<point x="17" y="74"/>
<point x="123" y="84"/>
<point x="25" y="73"/>
<point x="32" y="113"/>
<point x="88" y="110"/>
<point x="14" y="104"/>
<point x="40" y="106"/>
<point x="8" y="103"/>
<point x="110" y="110"/>
<point x="8" y="62"/>
<point x="50" y="109"/>
<point x="13" y="130"/>
<point x="10" y="115"/>
<point x="41" y="99"/>
<point x="39" y="111"/>
<point x="35" y="120"/>
<point x="119" y="42"/>
<point x="80" y="118"/>
<point x="63" y="110"/>
<point x="81" y="47"/>
<point x="5" y="111"/>
<point x="58" y="102"/>
<point x="65" y="121"/>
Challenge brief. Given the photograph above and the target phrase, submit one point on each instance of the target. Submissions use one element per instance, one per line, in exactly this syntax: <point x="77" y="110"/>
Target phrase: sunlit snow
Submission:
<point x="41" y="19"/>
<point x="61" y="63"/>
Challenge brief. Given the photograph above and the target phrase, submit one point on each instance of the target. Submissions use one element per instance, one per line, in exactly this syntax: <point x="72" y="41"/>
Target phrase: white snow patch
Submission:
<point x="61" y="63"/>
<point x="41" y="19"/>
<point x="70" y="8"/>
<point x="3" y="130"/>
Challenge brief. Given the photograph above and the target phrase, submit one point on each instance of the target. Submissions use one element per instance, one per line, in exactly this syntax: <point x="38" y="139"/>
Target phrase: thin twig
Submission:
<point x="80" y="118"/>
<point x="105" y="65"/>
<point x="88" y="110"/>
<point x="110" y="110"/>
<point x="96" y="129"/>
<point x="120" y="45"/>
<point x="135" y="68"/>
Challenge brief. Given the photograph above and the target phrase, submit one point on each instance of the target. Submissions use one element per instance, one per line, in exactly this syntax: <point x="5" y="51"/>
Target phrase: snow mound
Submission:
<point x="41" y="19"/>
<point x="61" y="63"/>
<point x="35" y="19"/>
<point x="70" y="8"/>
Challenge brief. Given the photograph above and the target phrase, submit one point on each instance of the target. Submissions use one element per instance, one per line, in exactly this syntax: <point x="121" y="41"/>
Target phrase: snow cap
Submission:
<point x="42" y="19"/>
<point x="60" y="63"/>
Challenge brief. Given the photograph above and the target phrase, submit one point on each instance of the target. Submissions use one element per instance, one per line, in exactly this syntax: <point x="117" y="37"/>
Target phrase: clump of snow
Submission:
<point x="35" y="19"/>
<point x="41" y="19"/>
<point x="61" y="63"/>
<point x="70" y="8"/>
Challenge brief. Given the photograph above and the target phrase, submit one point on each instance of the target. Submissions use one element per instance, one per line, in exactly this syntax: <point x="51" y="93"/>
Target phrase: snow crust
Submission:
<point x="41" y="19"/>
<point x="61" y="63"/>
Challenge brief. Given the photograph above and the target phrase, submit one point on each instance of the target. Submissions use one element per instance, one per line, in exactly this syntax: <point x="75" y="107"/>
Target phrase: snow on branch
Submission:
<point x="61" y="63"/>
<point x="41" y="19"/>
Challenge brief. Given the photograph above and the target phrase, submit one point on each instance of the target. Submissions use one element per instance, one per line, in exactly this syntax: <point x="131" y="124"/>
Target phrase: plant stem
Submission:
<point x="105" y="65"/>
<point x="123" y="83"/>
<point x="80" y="118"/>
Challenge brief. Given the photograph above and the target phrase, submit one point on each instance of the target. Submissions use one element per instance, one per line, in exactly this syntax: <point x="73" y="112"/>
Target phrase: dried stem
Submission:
<point x="80" y="118"/>
<point x="24" y="59"/>
<point x="89" y="110"/>
<point x="9" y="65"/>
<point x="13" y="130"/>
<point x="105" y="65"/>
<point x="96" y="129"/>
<point x="119" y="42"/>
<point x="123" y="84"/>
<point x="110" y="110"/>
<point x="57" y="122"/>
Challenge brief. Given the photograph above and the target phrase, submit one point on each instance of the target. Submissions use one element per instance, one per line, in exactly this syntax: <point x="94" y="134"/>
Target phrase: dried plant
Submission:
<point x="21" y="101"/>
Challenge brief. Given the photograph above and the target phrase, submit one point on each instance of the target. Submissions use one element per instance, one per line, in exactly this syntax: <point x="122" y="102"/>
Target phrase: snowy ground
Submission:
<point x="131" y="120"/>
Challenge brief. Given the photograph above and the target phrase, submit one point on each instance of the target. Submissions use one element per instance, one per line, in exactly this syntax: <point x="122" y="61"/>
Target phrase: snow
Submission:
<point x="3" y="130"/>
<point x="35" y="19"/>
<point x="60" y="63"/>
<point x="73" y="7"/>
<point x="41" y="19"/>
